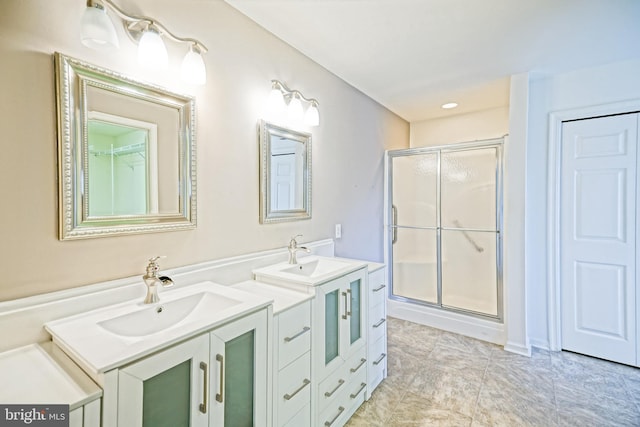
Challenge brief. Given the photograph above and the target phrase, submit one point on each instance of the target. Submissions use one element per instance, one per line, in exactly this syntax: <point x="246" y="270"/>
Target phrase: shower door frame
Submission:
<point x="391" y="226"/>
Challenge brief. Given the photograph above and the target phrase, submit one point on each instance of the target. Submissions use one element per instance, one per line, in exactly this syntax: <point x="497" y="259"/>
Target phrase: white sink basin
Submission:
<point x="107" y="338"/>
<point x="161" y="316"/>
<point x="316" y="267"/>
<point x="310" y="270"/>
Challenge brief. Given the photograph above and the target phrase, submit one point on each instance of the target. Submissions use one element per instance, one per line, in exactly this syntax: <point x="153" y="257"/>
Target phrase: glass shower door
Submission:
<point x="444" y="210"/>
<point x="469" y="237"/>
<point x="414" y="189"/>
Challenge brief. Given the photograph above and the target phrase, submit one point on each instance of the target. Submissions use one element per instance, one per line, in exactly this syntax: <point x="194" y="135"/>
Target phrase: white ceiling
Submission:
<point x="414" y="55"/>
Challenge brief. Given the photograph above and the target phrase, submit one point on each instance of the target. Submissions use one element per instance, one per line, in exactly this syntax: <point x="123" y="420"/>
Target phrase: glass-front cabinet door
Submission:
<point x="238" y="373"/>
<point x="341" y="311"/>
<point x="354" y="329"/>
<point x="167" y="389"/>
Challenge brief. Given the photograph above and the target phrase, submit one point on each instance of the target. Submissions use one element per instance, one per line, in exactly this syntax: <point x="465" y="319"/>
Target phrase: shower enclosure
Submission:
<point x="444" y="210"/>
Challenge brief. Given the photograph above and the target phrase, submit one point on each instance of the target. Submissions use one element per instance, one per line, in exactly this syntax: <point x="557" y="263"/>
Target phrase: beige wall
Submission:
<point x="485" y="124"/>
<point x="242" y="59"/>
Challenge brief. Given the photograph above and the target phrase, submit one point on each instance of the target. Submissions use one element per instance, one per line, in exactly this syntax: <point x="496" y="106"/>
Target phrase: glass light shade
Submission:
<point x="97" y="30"/>
<point x="193" y="70"/>
<point x="294" y="111"/>
<point x="152" y="53"/>
<point x="312" y="116"/>
<point x="276" y="104"/>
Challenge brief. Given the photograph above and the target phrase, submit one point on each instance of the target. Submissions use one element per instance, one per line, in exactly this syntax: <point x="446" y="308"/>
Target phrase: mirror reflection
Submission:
<point x="126" y="154"/>
<point x="286" y="173"/>
<point x="123" y="173"/>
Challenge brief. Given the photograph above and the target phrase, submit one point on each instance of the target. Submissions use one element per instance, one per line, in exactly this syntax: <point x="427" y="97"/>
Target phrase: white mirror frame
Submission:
<point x="267" y="214"/>
<point x="73" y="77"/>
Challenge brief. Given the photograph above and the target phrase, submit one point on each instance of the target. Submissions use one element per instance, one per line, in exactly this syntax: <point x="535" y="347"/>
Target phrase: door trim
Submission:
<point x="556" y="120"/>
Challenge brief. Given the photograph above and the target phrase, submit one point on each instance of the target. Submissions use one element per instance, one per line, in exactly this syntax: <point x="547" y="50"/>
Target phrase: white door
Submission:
<point x="598" y="237"/>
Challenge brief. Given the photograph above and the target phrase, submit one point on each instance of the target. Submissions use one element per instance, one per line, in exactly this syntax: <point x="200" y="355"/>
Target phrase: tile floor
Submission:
<point x="437" y="378"/>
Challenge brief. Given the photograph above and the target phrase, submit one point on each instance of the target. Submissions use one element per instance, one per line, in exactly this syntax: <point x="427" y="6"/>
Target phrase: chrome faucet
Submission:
<point x="152" y="280"/>
<point x="294" y="248"/>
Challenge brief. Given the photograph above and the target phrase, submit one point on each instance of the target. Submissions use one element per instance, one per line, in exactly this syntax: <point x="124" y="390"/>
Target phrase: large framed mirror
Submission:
<point x="285" y="174"/>
<point x="126" y="154"/>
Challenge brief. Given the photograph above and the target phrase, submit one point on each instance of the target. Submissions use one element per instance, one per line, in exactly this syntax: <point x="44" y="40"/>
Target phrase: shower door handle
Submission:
<point x="394" y="224"/>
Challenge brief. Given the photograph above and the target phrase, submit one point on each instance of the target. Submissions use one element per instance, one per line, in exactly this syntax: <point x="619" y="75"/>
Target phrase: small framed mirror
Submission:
<point x="285" y="174"/>
<point x="126" y="154"/>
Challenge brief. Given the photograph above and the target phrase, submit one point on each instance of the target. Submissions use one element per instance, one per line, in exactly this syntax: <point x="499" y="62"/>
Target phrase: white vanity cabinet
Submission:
<point x="377" y="327"/>
<point x="215" y="379"/>
<point x="292" y="367"/>
<point x="339" y="350"/>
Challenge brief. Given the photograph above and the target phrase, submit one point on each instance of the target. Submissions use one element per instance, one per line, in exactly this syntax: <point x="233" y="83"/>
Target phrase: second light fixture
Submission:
<point x="283" y="100"/>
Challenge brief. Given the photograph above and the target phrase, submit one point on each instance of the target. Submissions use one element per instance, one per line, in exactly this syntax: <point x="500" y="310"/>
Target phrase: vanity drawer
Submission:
<point x="294" y="388"/>
<point x="294" y="333"/>
<point x="356" y="364"/>
<point x="335" y="414"/>
<point x="377" y="364"/>
<point x="332" y="387"/>
<point x="377" y="287"/>
<point x="301" y="419"/>
<point x="356" y="392"/>
<point x="377" y="322"/>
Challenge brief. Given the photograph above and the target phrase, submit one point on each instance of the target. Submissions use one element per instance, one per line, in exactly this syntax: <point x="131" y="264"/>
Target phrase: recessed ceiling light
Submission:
<point x="449" y="105"/>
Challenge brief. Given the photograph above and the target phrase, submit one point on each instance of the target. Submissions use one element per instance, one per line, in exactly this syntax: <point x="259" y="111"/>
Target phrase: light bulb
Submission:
<point x="193" y="70"/>
<point x="294" y="111"/>
<point x="152" y="53"/>
<point x="312" y="116"/>
<point x="97" y="30"/>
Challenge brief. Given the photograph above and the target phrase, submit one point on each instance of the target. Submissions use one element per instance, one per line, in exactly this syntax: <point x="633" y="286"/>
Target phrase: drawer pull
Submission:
<point x="379" y="288"/>
<point x="328" y="423"/>
<point x="379" y="323"/>
<point x="380" y="359"/>
<point x="358" y="367"/>
<point x="305" y="329"/>
<point x="330" y="393"/>
<point x="354" y="395"/>
<point x="305" y="383"/>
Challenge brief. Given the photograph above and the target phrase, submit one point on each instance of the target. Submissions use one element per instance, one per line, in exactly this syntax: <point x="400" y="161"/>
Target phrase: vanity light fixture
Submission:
<point x="282" y="99"/>
<point x="97" y="32"/>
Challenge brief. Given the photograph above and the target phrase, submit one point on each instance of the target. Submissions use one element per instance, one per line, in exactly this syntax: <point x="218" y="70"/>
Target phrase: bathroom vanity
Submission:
<point x="298" y="345"/>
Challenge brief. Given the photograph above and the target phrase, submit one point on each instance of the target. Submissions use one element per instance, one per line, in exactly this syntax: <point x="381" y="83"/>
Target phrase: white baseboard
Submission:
<point x="518" y="349"/>
<point x="473" y="327"/>
<point x="541" y="344"/>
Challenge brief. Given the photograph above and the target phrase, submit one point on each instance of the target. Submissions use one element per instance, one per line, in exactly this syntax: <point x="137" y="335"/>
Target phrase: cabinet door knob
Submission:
<point x="346" y="310"/>
<point x="220" y="395"/>
<point x="205" y="397"/>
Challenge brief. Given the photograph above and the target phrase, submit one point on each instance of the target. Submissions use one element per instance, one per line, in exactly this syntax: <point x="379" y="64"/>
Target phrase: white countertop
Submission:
<point x="42" y="374"/>
<point x="97" y="350"/>
<point x="283" y="298"/>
